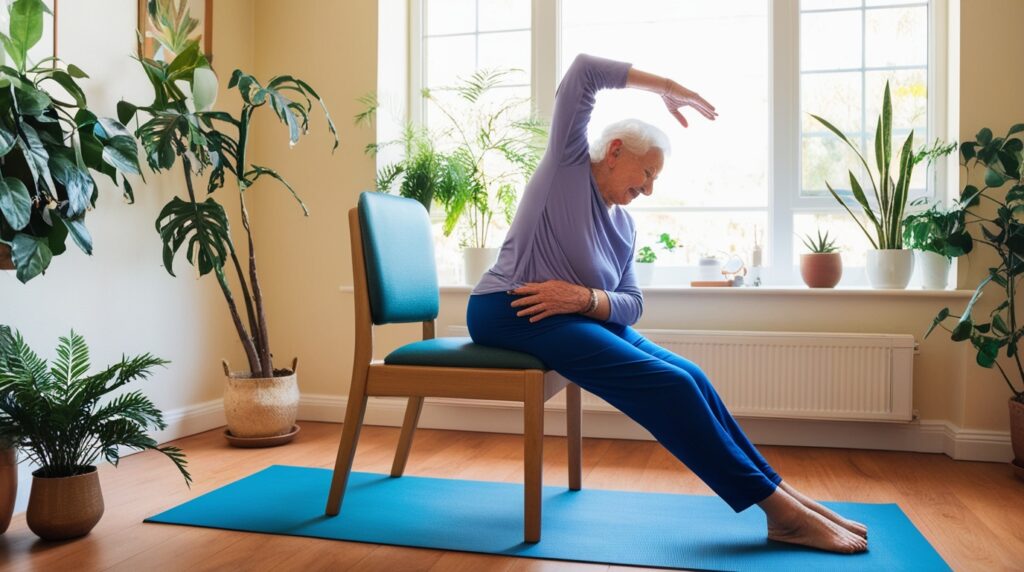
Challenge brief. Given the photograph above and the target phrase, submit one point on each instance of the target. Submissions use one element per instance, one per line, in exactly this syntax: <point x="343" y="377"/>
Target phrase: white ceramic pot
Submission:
<point x="644" y="273"/>
<point x="934" y="270"/>
<point x="890" y="268"/>
<point x="261" y="407"/>
<point x="478" y="261"/>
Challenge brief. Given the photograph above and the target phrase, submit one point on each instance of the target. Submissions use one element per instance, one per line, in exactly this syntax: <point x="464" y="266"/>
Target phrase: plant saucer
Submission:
<point x="257" y="442"/>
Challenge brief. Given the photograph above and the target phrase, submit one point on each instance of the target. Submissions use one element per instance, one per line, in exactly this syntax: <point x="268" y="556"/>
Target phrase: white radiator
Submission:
<point x="795" y="375"/>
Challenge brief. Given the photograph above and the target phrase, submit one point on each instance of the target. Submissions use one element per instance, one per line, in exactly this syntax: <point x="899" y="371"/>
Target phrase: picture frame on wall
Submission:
<point x="46" y="47"/>
<point x="164" y="25"/>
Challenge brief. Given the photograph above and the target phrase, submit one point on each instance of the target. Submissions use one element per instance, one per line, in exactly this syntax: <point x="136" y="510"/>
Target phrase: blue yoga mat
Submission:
<point x="613" y="527"/>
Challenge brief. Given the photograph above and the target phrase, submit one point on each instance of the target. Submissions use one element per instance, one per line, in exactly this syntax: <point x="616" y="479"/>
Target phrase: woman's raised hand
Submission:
<point x="542" y="299"/>
<point x="676" y="96"/>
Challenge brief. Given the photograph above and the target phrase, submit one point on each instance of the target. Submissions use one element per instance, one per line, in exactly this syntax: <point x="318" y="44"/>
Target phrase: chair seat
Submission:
<point x="460" y="352"/>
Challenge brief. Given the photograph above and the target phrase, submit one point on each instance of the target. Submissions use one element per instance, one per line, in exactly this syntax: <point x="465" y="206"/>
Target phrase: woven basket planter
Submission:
<point x="261" y="407"/>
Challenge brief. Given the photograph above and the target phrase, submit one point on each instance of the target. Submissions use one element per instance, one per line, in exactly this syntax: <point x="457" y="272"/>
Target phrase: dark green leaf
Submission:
<point x="967" y="150"/>
<point x="37" y="157"/>
<point x="31" y="256"/>
<point x="7" y="140"/>
<point x="57" y="236"/>
<point x="993" y="178"/>
<point x="999" y="325"/>
<point x="984" y="136"/>
<point x="77" y="184"/>
<point x="121" y="152"/>
<point x="31" y="101"/>
<point x="204" y="225"/>
<point x="962" y="331"/>
<point x="80" y="234"/>
<point x="15" y="202"/>
<point x="126" y="111"/>
<point x="988" y="351"/>
<point x="1016" y="129"/>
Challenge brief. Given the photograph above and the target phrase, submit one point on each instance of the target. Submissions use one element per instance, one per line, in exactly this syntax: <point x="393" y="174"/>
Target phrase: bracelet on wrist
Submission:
<point x="593" y="302"/>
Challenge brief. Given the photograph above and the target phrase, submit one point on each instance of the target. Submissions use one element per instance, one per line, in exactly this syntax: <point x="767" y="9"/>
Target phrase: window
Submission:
<point x="758" y="172"/>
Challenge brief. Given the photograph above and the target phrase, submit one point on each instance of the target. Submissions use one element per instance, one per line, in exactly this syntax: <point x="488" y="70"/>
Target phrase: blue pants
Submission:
<point x="665" y="393"/>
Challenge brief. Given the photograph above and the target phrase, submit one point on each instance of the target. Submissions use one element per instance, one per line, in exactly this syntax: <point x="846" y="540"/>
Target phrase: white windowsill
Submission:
<point x="764" y="291"/>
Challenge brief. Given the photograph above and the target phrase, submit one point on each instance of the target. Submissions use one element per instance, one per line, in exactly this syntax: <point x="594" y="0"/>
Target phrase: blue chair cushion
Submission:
<point x="460" y="352"/>
<point x="398" y="247"/>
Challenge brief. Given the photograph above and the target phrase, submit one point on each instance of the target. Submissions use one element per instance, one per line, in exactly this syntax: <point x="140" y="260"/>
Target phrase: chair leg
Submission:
<point x="574" y="434"/>
<point x="533" y="436"/>
<point x="347" y="448"/>
<point x="412" y="417"/>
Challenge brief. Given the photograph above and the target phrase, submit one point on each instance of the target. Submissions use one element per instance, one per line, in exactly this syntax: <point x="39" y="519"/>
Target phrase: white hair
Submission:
<point x="636" y="136"/>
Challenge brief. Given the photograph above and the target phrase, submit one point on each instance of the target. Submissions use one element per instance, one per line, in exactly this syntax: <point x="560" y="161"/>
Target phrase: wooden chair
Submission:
<point x="396" y="282"/>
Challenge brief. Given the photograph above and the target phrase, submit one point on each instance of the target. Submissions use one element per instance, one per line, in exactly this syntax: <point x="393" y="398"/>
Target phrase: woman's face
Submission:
<point x="627" y="175"/>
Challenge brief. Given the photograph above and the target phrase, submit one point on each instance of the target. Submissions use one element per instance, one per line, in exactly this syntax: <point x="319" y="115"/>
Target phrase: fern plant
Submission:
<point x="63" y="419"/>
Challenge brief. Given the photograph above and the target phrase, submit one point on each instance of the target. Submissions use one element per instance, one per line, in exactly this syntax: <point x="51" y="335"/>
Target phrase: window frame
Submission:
<point x="785" y="168"/>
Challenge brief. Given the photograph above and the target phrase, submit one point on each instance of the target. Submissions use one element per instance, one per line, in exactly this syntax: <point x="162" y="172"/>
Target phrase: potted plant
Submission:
<point x="1000" y="160"/>
<point x="490" y="152"/>
<point x="64" y="420"/>
<point x="49" y="145"/>
<point x="262" y="402"/>
<point x="643" y="265"/>
<point x="937" y="236"/>
<point x="822" y="267"/>
<point x="889" y="265"/>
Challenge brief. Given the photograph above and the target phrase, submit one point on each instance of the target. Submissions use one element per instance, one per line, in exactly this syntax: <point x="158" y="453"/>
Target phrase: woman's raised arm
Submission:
<point x="674" y="95"/>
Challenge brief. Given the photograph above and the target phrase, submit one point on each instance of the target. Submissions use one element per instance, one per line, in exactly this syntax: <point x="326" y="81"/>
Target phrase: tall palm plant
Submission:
<point x="63" y="419"/>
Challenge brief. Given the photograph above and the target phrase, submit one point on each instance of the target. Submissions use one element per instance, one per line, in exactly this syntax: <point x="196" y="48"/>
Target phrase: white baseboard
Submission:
<point x="190" y="420"/>
<point x="924" y="436"/>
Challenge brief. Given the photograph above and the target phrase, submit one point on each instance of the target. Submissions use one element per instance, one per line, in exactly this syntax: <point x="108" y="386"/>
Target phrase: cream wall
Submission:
<point x="121" y="299"/>
<point x="991" y="88"/>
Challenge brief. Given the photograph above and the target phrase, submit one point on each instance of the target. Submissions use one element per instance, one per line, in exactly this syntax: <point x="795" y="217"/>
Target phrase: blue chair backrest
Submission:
<point x="399" y="253"/>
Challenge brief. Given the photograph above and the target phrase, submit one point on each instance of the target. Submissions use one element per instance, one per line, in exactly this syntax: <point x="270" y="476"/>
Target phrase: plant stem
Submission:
<point x="266" y="368"/>
<point x="247" y="343"/>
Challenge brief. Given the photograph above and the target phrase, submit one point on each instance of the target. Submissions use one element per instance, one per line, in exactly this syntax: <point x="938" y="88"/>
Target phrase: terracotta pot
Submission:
<point x="1017" y="431"/>
<point x="821" y="270"/>
<point x="64" y="507"/>
<point x="261" y="407"/>
<point x="6" y="262"/>
<point x="8" y="485"/>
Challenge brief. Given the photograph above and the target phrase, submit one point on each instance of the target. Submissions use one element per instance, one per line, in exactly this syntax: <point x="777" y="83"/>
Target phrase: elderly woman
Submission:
<point x="563" y="290"/>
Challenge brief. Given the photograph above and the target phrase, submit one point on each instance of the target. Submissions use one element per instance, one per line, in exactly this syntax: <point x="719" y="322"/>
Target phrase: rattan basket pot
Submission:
<point x="8" y="485"/>
<point x="261" y="406"/>
<point x="64" y="507"/>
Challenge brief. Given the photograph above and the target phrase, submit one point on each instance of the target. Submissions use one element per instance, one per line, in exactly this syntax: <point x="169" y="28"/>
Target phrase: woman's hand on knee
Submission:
<point x="542" y="299"/>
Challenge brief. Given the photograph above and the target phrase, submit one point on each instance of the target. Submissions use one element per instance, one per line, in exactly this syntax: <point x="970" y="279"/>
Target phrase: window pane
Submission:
<point x="504" y="14"/>
<point x="830" y="40"/>
<point x="720" y="163"/>
<point x="909" y="89"/>
<point x="506" y="50"/>
<point x="836" y="97"/>
<point x="449" y="58"/>
<point x="450" y="17"/>
<point x="896" y="37"/>
<point x="850" y="239"/>
<point x="824" y="158"/>
<point x="700" y="233"/>
<point x="828" y="4"/>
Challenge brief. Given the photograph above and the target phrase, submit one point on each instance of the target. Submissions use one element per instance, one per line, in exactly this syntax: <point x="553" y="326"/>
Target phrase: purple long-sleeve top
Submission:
<point x="563" y="230"/>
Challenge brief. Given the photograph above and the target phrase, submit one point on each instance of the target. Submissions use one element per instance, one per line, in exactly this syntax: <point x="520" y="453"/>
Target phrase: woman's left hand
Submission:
<point x="542" y="299"/>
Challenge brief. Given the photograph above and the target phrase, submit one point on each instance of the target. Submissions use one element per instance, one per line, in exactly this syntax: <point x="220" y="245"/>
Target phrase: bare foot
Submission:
<point x="851" y="525"/>
<point x="791" y="522"/>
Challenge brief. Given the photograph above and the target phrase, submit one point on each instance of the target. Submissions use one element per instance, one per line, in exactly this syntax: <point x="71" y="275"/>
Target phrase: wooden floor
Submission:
<point x="973" y="513"/>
